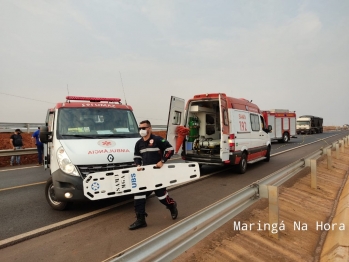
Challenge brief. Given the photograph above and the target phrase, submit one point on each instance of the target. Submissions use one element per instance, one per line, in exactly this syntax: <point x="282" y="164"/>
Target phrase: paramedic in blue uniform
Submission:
<point x="151" y="150"/>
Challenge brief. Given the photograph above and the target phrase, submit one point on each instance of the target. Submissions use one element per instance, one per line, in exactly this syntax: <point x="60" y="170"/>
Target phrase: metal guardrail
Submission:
<point x="11" y="127"/>
<point x="18" y="152"/>
<point x="168" y="244"/>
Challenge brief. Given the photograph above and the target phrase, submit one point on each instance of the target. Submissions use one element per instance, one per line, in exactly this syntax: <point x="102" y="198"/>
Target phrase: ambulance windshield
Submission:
<point x="85" y="123"/>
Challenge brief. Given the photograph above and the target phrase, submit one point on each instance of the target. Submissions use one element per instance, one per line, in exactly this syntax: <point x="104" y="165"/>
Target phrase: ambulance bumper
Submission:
<point x="67" y="185"/>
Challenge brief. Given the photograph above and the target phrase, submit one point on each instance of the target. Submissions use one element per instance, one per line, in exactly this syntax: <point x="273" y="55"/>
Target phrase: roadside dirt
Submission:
<point x="302" y="210"/>
<point x="27" y="143"/>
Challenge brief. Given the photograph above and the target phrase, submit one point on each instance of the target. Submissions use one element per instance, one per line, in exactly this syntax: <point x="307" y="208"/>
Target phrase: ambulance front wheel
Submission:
<point x="242" y="164"/>
<point x="51" y="198"/>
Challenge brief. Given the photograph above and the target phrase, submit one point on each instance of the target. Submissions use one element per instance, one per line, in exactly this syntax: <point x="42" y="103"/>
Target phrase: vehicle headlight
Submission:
<point x="65" y="164"/>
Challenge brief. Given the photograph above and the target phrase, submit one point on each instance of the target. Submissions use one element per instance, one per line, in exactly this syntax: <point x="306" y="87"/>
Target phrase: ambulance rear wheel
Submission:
<point x="51" y="197"/>
<point x="242" y="164"/>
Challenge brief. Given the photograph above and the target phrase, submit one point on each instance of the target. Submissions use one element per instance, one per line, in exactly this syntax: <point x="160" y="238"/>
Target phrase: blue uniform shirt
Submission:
<point x="37" y="137"/>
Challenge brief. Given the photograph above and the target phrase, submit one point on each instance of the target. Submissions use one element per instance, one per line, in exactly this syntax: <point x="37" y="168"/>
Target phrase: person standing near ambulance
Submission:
<point x="151" y="150"/>
<point x="17" y="143"/>
<point x="39" y="145"/>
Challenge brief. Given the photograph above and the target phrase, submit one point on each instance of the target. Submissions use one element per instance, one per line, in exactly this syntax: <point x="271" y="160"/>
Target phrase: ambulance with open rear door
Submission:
<point x="222" y="130"/>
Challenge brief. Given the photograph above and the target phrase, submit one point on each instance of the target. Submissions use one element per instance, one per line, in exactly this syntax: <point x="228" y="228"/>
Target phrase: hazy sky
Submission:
<point x="281" y="54"/>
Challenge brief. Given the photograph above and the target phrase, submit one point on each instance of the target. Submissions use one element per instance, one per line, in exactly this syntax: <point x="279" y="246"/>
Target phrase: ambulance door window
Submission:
<point x="262" y="123"/>
<point x="225" y="117"/>
<point x="177" y="118"/>
<point x="255" y="125"/>
<point x="50" y="125"/>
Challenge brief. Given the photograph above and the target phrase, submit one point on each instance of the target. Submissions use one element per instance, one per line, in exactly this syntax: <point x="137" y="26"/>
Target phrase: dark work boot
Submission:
<point x="173" y="210"/>
<point x="140" y="222"/>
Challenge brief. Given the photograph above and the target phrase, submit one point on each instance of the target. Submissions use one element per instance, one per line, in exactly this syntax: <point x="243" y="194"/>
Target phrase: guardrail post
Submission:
<point x="329" y="158"/>
<point x="313" y="173"/>
<point x="337" y="151"/>
<point x="342" y="146"/>
<point x="273" y="195"/>
<point x="28" y="129"/>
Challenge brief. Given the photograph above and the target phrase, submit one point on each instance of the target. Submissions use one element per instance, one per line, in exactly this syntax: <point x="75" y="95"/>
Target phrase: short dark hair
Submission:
<point x="38" y="127"/>
<point x="145" y="122"/>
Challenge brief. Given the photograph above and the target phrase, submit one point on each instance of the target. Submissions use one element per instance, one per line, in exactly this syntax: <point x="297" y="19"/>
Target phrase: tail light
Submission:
<point x="232" y="142"/>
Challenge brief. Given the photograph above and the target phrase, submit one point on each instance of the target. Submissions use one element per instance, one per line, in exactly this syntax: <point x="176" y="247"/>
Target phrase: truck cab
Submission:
<point x="84" y="135"/>
<point x="308" y="124"/>
<point x="304" y="125"/>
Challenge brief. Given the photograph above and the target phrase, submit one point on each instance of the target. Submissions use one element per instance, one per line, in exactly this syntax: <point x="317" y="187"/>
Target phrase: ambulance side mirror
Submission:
<point x="270" y="128"/>
<point x="45" y="135"/>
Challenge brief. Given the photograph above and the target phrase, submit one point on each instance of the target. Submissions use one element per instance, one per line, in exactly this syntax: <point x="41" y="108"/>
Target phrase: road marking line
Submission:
<point x="15" y="187"/>
<point x="17" y="168"/>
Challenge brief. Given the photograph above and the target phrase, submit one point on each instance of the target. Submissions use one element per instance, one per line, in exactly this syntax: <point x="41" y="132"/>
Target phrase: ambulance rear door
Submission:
<point x="49" y="122"/>
<point x="224" y="124"/>
<point x="175" y="119"/>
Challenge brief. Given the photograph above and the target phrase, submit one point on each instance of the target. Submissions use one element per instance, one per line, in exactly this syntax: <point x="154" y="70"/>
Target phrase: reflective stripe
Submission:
<point x="169" y="149"/>
<point x="140" y="197"/>
<point x="137" y="157"/>
<point x="163" y="197"/>
<point x="149" y="150"/>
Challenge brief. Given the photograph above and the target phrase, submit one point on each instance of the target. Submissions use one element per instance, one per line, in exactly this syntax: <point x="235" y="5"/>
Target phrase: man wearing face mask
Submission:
<point x="151" y="150"/>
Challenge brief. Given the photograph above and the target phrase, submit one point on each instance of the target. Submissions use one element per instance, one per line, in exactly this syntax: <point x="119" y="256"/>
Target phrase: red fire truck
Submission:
<point x="283" y="124"/>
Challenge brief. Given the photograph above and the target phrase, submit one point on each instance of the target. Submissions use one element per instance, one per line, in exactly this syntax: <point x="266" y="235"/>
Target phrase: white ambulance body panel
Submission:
<point x="97" y="151"/>
<point x="241" y="126"/>
<point x="120" y="182"/>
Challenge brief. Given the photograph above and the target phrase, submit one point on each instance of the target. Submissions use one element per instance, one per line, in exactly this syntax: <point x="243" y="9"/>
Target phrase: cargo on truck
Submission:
<point x="309" y="124"/>
<point x="222" y="130"/>
<point x="283" y="122"/>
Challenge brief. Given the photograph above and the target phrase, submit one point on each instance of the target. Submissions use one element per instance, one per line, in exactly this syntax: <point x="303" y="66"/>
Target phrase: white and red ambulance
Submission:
<point x="85" y="135"/>
<point x="222" y="130"/>
<point x="283" y="122"/>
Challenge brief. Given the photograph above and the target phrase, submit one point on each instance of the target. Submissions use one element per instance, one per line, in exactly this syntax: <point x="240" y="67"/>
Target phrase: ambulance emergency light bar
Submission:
<point x="93" y="99"/>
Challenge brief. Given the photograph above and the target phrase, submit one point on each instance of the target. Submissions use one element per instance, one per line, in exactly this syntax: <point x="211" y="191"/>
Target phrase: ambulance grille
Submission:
<point x="89" y="169"/>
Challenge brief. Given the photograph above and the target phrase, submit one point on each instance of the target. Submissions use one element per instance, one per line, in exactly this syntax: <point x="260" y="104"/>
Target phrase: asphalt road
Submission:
<point x="24" y="208"/>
